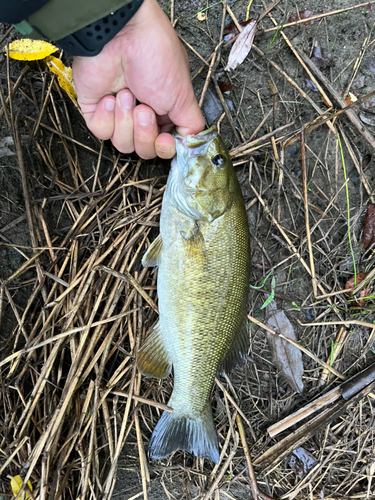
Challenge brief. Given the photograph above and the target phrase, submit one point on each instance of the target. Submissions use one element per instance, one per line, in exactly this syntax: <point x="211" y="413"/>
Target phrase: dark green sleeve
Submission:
<point x="14" y="11"/>
<point x="57" y="19"/>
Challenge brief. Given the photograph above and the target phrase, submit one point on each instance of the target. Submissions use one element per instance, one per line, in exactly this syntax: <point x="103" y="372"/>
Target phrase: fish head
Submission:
<point x="204" y="174"/>
<point x="204" y="160"/>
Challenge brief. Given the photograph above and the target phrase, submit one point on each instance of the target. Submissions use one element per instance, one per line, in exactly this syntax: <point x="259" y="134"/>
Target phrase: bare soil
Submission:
<point x="344" y="448"/>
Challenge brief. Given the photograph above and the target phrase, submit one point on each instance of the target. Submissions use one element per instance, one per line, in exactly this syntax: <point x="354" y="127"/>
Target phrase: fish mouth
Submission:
<point x="189" y="149"/>
<point x="194" y="142"/>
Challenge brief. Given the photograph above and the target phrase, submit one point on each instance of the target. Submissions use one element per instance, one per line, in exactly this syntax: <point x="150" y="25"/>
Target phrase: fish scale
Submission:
<point x="203" y="256"/>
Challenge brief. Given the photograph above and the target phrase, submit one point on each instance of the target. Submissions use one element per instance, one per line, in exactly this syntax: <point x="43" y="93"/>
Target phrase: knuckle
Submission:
<point x="123" y="148"/>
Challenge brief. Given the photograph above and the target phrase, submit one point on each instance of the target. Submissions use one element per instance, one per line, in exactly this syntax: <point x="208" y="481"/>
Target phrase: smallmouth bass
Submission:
<point x="203" y="256"/>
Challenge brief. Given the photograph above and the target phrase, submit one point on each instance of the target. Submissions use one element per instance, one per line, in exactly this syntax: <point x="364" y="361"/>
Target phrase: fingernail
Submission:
<point x="144" y="118"/>
<point x="109" y="104"/>
<point x="163" y="148"/>
<point x="127" y="100"/>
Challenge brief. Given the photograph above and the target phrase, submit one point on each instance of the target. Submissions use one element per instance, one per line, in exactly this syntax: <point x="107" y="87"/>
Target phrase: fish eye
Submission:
<point x="218" y="160"/>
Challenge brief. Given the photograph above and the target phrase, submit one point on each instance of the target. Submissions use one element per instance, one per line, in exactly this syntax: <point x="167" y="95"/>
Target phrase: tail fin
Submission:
<point x="175" y="432"/>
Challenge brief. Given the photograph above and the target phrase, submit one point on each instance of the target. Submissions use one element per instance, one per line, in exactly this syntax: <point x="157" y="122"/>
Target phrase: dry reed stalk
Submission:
<point x="207" y="82"/>
<point x="29" y="213"/>
<point x="350" y="392"/>
<point x="279" y="70"/>
<point x="358" y="167"/>
<point x="224" y="468"/>
<point x="245" y="447"/>
<point x="14" y="89"/>
<point x="318" y="16"/>
<point x="335" y="351"/>
<point x="226" y="109"/>
<point x="268" y="10"/>
<point x="304" y="412"/>
<point x="238" y="409"/>
<point x="345" y="323"/>
<point x="290" y="244"/>
<point x="365" y="45"/>
<point x="325" y="98"/>
<point x="5" y="108"/>
<point x="67" y="137"/>
<point x="239" y="151"/>
<point x="194" y="51"/>
<point x="307" y="220"/>
<point x="87" y="355"/>
<point x="339" y="99"/>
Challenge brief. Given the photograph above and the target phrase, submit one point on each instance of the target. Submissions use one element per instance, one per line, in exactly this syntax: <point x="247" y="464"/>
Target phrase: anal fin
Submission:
<point x="238" y="349"/>
<point x="152" y="358"/>
<point x="152" y="257"/>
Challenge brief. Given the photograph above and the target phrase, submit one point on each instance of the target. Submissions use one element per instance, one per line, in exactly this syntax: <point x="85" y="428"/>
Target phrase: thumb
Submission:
<point x="188" y="118"/>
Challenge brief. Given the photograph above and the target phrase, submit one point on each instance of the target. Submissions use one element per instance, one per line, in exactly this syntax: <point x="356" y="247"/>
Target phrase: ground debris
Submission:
<point x="321" y="61"/>
<point x="301" y="461"/>
<point x="286" y="357"/>
<point x="231" y="30"/>
<point x="351" y="283"/>
<point x="302" y="14"/>
<point x="241" y="46"/>
<point x="368" y="235"/>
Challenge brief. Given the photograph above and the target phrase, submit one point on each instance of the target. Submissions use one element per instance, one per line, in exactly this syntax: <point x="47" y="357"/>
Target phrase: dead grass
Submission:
<point x="73" y="406"/>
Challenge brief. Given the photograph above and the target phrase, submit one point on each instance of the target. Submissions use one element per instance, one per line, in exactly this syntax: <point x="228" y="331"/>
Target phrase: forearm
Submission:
<point x="81" y="27"/>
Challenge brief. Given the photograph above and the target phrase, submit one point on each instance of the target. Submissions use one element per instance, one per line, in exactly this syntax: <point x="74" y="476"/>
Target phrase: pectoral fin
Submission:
<point x="188" y="228"/>
<point x="152" y="358"/>
<point x="152" y="257"/>
<point x="238" y="348"/>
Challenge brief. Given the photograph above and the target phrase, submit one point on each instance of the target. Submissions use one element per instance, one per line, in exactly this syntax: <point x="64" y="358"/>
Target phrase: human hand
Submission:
<point x="145" y="61"/>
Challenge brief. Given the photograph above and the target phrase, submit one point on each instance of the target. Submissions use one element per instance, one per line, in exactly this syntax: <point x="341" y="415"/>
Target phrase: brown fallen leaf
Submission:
<point x="231" y="30"/>
<point x="241" y="46"/>
<point x="302" y="14"/>
<point x="350" y="98"/>
<point x="285" y="356"/>
<point x="368" y="235"/>
<point x="225" y="86"/>
<point x="363" y="293"/>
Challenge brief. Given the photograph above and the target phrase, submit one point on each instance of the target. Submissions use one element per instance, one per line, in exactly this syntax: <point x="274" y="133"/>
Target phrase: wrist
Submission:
<point x="90" y="40"/>
<point x="149" y="14"/>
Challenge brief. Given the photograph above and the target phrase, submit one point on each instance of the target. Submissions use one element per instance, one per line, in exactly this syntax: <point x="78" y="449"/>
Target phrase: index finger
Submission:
<point x="100" y="118"/>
